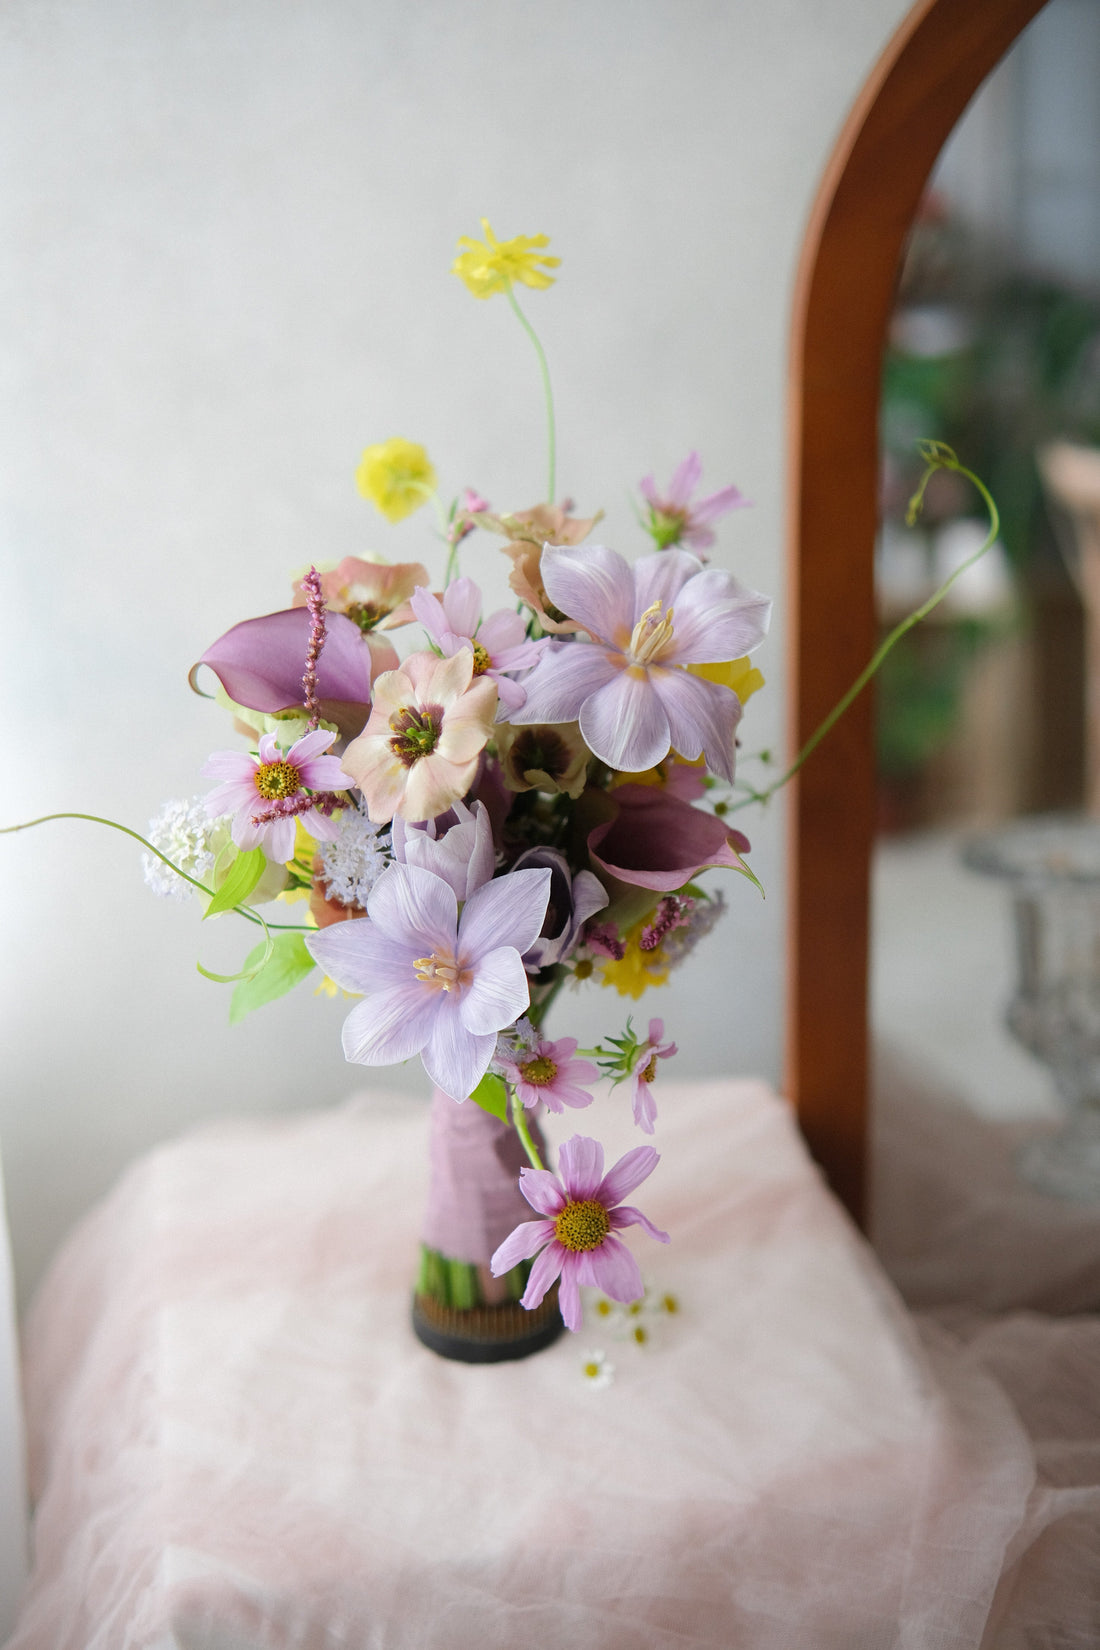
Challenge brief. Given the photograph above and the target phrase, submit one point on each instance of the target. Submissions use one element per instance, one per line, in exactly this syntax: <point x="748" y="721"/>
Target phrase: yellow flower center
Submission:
<point x="592" y="1368"/>
<point x="441" y="972"/>
<point x="365" y="614"/>
<point x="539" y="1071"/>
<point x="650" y="1071"/>
<point x="582" y="1225"/>
<point x="275" y="780"/>
<point x="482" y="661"/>
<point x="651" y="635"/>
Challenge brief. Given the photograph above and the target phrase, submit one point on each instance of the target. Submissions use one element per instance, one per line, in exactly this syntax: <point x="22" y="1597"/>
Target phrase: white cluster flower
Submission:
<point x="352" y="864"/>
<point x="183" y="832"/>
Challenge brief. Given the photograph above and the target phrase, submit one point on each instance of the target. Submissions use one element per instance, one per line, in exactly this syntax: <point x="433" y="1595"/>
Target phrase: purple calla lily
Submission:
<point x="656" y="840"/>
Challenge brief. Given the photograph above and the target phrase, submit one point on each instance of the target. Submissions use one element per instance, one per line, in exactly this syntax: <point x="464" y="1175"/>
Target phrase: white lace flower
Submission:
<point x="182" y="831"/>
<point x="352" y="864"/>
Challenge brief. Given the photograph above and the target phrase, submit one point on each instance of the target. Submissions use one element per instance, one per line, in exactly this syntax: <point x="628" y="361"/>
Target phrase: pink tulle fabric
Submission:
<point x="236" y="1441"/>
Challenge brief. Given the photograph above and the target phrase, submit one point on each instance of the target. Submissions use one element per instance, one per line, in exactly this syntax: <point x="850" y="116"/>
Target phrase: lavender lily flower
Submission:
<point x="462" y="853"/>
<point x="630" y="687"/>
<point x="435" y="983"/>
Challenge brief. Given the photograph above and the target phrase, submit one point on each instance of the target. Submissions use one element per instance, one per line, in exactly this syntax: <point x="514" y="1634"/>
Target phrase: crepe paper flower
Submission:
<point x="596" y="1372"/>
<point x="673" y="519"/>
<point x="574" y="897"/>
<point x="576" y="1240"/>
<point x="629" y="687"/>
<point x="352" y="862"/>
<point x="259" y="664"/>
<point x="499" y="643"/>
<point x="374" y="595"/>
<point x="547" y="1071"/>
<point x="420" y="748"/>
<point x="543" y="758"/>
<point x="461" y="852"/>
<point x="492" y="266"/>
<point x="656" y="840"/>
<point x="397" y="476"/>
<point x="434" y="982"/>
<point x="266" y="795"/>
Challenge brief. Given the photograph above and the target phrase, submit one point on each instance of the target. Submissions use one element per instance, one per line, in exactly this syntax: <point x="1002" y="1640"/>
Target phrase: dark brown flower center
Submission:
<point x="582" y="1225"/>
<point x="275" y="780"/>
<point x="539" y="750"/>
<point x="415" y="732"/>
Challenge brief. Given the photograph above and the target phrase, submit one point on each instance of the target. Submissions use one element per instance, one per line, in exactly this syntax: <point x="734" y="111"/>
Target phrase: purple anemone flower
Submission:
<point x="574" y="897"/>
<point x="673" y="519"/>
<point x="582" y="1211"/>
<point x="462" y="852"/>
<point x="499" y="642"/>
<point x="435" y="983"/>
<point x="268" y="794"/>
<point x="630" y="687"/>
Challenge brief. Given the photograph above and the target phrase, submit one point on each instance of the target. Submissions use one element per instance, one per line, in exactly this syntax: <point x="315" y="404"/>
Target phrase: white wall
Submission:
<point x="224" y="269"/>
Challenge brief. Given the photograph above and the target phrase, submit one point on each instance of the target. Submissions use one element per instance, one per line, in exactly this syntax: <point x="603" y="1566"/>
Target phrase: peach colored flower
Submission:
<point x="419" y="751"/>
<point x="374" y="596"/>
<point x="528" y="531"/>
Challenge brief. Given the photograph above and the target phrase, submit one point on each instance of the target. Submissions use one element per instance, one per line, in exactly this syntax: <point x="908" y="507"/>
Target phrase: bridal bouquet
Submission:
<point x="514" y="801"/>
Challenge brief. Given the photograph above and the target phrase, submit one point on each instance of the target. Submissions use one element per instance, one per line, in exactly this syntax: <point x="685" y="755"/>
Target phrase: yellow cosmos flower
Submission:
<point x="397" y="476"/>
<point x="739" y="674"/>
<point x="492" y="266"/>
<point x="636" y="970"/>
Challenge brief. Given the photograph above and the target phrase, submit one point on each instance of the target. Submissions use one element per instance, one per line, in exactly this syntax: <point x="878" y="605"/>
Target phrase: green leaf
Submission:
<point x="288" y="963"/>
<point x="744" y="871"/>
<point x="242" y="876"/>
<point x="491" y="1095"/>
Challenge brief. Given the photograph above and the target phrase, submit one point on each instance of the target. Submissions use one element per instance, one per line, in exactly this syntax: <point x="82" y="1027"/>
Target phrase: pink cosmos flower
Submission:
<point x="643" y="1072"/>
<point x="576" y="1236"/>
<point x="673" y="519"/>
<point x="630" y="687"/>
<point x="499" y="644"/>
<point x="435" y="983"/>
<point x="546" y="1071"/>
<point x="268" y="794"/>
<point x="428" y="725"/>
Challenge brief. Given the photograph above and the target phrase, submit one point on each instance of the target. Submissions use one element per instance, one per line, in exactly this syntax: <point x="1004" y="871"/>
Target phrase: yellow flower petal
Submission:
<point x="492" y="266"/>
<point x="397" y="476"/>
<point x="739" y="674"/>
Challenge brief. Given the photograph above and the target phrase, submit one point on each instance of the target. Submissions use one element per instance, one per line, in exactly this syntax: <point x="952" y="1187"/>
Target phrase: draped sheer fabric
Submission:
<point x="235" y="1439"/>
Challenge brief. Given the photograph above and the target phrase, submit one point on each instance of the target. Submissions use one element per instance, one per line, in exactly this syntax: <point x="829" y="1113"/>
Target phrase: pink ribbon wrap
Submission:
<point x="474" y="1199"/>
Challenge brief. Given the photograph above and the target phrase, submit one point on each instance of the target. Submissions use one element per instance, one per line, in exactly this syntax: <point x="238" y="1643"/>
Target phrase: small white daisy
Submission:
<point x="596" y="1371"/>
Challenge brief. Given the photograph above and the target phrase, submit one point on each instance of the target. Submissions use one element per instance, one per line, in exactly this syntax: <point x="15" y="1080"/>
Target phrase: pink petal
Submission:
<point x="390" y="1026"/>
<point x="718" y="504"/>
<point x="717" y="618"/>
<point x="231" y="797"/>
<point x="648" y="489"/>
<point x="702" y="718"/>
<point x="323" y="773"/>
<point x="542" y="1191"/>
<point x="462" y="605"/>
<point x="613" y="1269"/>
<point x="278" y="839"/>
<point x="230" y="765"/>
<point x="685" y="478"/>
<point x="498" y="993"/>
<point x="508" y="911"/>
<point x="563" y="679"/>
<point x="569" y="1298"/>
<point x="310" y="745"/>
<point x="645" y="1107"/>
<point x="455" y="1059"/>
<point x="269" y="749"/>
<point x="656" y="1029"/>
<point x="631" y="1169"/>
<point x="593" y="585"/>
<point x="322" y="826"/>
<point x="568" y="1094"/>
<point x="521" y="1245"/>
<point x="430" y="611"/>
<point x="625" y="724"/>
<point x="361" y="957"/>
<point x="627" y="1215"/>
<point x="547" y="1267"/>
<point x="503" y="631"/>
<point x="411" y="904"/>
<point x="580" y="1167"/>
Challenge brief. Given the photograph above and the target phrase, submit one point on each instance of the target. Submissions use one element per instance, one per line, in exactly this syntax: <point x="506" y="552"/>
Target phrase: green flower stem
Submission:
<point x="544" y="368"/>
<point x="519" y="1122"/>
<point x="938" y="457"/>
<point x="97" y="819"/>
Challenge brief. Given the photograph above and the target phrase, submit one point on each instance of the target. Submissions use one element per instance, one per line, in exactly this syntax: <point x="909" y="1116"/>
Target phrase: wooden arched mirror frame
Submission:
<point x="862" y="215"/>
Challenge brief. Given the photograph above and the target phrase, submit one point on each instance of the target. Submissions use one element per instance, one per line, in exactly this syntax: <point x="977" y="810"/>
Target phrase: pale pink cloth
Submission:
<point x="236" y="1442"/>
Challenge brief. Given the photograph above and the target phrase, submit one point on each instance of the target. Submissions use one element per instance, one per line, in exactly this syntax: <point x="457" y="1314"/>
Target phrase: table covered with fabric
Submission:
<point x="236" y="1441"/>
